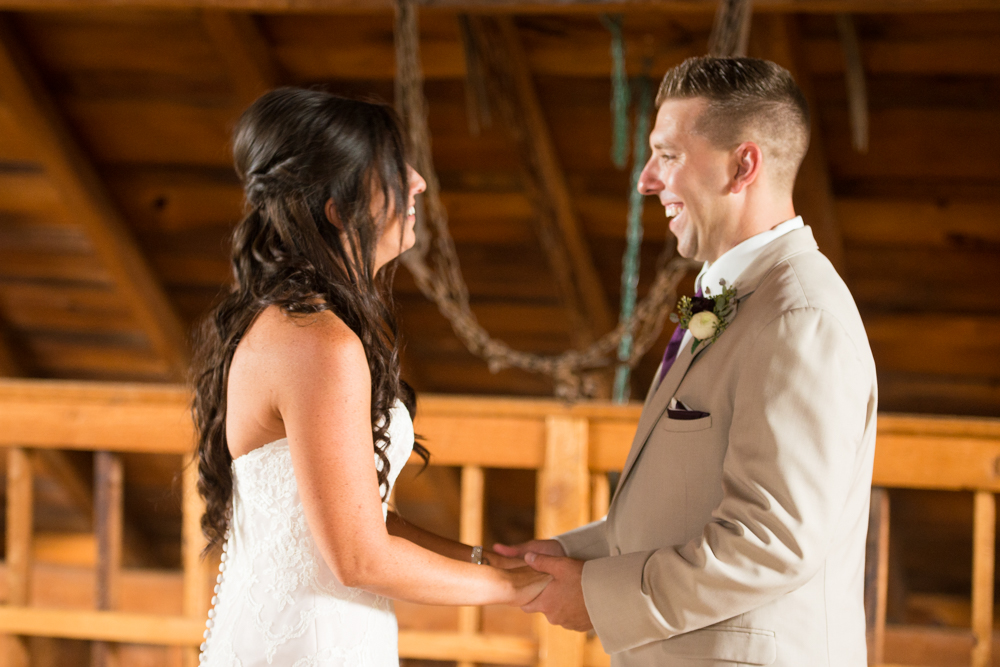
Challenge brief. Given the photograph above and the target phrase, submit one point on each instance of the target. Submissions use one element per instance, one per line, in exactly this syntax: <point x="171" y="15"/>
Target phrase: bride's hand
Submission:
<point x="528" y="584"/>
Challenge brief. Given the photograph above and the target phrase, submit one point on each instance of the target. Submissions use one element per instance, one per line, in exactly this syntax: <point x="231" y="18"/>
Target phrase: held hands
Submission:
<point x="527" y="583"/>
<point x="561" y="600"/>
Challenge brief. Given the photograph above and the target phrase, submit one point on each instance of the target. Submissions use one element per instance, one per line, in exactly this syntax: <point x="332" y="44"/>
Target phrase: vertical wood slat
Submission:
<point x="192" y="544"/>
<point x="471" y="532"/>
<point x="877" y="574"/>
<point x="600" y="495"/>
<point x="20" y="521"/>
<point x="563" y="504"/>
<point x="983" y="554"/>
<point x="108" y="521"/>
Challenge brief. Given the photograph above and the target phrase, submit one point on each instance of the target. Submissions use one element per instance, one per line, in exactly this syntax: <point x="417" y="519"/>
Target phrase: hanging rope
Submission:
<point x="572" y="371"/>
<point x="630" y="262"/>
<point x="620" y="94"/>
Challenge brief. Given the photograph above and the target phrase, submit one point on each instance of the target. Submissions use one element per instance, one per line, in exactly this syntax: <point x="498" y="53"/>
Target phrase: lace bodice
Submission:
<point x="277" y="602"/>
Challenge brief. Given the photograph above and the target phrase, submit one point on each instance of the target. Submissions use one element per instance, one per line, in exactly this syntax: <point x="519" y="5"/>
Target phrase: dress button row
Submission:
<point x="210" y="623"/>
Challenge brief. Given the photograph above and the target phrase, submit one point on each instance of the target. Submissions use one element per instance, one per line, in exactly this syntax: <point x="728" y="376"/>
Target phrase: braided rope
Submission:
<point x="573" y="370"/>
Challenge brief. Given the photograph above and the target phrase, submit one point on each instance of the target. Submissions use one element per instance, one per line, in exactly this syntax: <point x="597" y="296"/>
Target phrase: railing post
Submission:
<point x="20" y="521"/>
<point x="108" y="520"/>
<point x="877" y="574"/>
<point x="471" y="532"/>
<point x="192" y="544"/>
<point x="563" y="504"/>
<point x="600" y="495"/>
<point x="983" y="553"/>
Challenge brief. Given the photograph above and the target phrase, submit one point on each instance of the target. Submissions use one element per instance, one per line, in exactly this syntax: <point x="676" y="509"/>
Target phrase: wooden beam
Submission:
<point x="983" y="563"/>
<point x="775" y="38"/>
<point x="195" y="592"/>
<point x="470" y="531"/>
<point x="513" y="6"/>
<point x="556" y="190"/>
<point x="877" y="574"/>
<point x="245" y="52"/>
<point x="75" y="178"/>
<point x="563" y="503"/>
<point x="57" y="465"/>
<point x="108" y="520"/>
<point x="20" y="525"/>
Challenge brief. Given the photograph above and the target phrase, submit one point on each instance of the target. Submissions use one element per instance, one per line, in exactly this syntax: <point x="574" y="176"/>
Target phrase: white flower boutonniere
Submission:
<point x="706" y="317"/>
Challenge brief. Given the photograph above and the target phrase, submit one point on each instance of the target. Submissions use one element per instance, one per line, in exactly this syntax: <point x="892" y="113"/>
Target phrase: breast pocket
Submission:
<point x="684" y="425"/>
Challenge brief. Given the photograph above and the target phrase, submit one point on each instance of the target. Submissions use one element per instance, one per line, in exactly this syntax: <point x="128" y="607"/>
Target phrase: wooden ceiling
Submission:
<point x="117" y="195"/>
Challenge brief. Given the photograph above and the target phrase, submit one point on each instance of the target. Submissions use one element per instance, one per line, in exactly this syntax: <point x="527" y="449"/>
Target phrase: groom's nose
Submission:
<point x="649" y="179"/>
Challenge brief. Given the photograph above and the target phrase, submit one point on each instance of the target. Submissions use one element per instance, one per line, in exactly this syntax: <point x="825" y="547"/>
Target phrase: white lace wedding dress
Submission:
<point x="277" y="602"/>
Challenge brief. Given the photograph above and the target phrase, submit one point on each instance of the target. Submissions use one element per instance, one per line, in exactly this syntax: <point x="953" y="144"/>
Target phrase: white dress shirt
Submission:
<point x="735" y="260"/>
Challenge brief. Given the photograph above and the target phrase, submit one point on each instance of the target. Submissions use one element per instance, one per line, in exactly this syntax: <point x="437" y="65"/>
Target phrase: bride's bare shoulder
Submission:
<point x="304" y="342"/>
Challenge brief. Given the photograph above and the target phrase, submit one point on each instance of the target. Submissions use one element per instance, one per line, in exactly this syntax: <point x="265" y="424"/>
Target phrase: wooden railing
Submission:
<point x="572" y="448"/>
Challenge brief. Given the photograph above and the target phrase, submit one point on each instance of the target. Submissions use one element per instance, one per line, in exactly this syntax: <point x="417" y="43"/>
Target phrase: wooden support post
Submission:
<point x="983" y="554"/>
<point x="553" y="182"/>
<point x="563" y="504"/>
<point x="774" y="37"/>
<point x="108" y="512"/>
<point x="877" y="574"/>
<point x="600" y="495"/>
<point x="56" y="464"/>
<point x="75" y="178"/>
<point x="244" y="49"/>
<point x="196" y="576"/>
<point x="20" y="521"/>
<point x="471" y="532"/>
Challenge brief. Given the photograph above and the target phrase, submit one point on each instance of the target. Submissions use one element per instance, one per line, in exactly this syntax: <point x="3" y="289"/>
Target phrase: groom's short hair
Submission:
<point x="749" y="99"/>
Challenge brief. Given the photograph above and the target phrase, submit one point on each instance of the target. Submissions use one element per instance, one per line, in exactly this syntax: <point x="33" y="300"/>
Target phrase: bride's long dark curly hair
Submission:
<point x="294" y="150"/>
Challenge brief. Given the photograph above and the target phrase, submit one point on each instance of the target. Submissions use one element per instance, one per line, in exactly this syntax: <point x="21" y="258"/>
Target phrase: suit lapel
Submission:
<point x="655" y="405"/>
<point x="794" y="242"/>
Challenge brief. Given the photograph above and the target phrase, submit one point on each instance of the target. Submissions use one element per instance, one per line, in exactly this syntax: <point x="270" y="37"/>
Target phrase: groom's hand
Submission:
<point x="562" y="600"/>
<point x="547" y="547"/>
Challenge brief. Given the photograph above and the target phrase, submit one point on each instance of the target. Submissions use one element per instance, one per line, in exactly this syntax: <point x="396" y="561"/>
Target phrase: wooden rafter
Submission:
<point x="244" y="49"/>
<point x="775" y="37"/>
<point x="516" y="6"/>
<point x="568" y="244"/>
<point x="73" y="175"/>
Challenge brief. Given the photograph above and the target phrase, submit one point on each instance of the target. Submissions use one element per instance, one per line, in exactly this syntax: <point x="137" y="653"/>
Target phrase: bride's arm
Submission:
<point x="322" y="391"/>
<point x="400" y="527"/>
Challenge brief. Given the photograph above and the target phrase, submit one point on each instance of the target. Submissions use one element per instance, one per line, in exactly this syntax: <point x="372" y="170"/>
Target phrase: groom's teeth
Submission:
<point x="672" y="210"/>
<point x="411" y="211"/>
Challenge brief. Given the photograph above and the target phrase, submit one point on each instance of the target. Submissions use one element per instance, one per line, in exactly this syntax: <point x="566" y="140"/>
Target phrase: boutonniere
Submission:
<point x="706" y="317"/>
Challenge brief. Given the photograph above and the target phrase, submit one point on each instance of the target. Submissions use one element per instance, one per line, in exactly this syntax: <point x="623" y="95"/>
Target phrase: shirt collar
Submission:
<point x="735" y="260"/>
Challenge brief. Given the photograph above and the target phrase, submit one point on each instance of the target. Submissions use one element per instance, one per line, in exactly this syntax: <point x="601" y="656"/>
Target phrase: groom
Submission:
<point x="737" y="531"/>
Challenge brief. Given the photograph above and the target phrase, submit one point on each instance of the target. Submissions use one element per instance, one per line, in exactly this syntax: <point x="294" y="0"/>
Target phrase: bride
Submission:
<point x="303" y="421"/>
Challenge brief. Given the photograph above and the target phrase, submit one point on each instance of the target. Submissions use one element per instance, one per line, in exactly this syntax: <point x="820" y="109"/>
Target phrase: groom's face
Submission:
<point x="690" y="177"/>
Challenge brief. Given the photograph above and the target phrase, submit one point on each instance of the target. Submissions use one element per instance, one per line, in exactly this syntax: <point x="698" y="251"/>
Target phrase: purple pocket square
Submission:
<point x="685" y="414"/>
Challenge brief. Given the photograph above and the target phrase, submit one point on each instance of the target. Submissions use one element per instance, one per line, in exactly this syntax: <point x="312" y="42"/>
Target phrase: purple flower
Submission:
<point x="701" y="304"/>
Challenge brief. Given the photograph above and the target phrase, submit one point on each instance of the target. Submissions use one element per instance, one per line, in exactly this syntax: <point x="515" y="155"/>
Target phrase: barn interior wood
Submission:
<point x="117" y="198"/>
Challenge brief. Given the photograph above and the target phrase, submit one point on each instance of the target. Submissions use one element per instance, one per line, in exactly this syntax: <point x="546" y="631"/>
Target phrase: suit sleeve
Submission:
<point x="800" y="409"/>
<point x="586" y="542"/>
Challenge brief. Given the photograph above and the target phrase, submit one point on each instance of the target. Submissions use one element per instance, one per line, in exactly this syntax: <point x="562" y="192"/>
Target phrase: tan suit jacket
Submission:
<point x="738" y="538"/>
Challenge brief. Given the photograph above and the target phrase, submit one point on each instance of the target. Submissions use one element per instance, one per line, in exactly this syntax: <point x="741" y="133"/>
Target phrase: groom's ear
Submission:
<point x="749" y="159"/>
